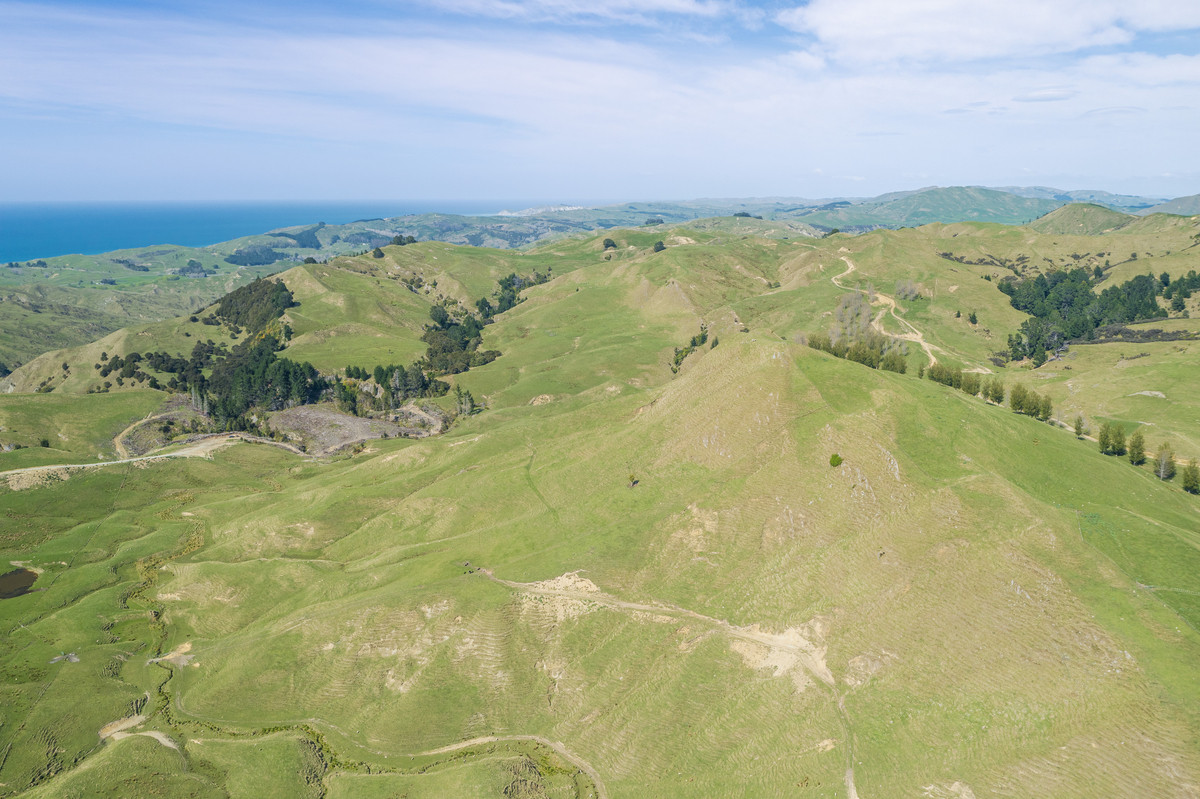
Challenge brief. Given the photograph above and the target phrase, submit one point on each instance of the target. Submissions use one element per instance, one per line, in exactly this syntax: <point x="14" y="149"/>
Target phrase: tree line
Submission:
<point x="1111" y="438"/>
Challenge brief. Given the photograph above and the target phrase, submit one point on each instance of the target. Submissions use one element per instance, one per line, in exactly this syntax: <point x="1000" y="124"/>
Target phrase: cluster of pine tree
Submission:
<point x="1183" y="287"/>
<point x="972" y="383"/>
<point x="255" y="304"/>
<point x="256" y="255"/>
<point x="1020" y="399"/>
<point x="252" y="375"/>
<point x="454" y="343"/>
<point x="231" y="382"/>
<point x="1064" y="307"/>
<point x="1112" y="442"/>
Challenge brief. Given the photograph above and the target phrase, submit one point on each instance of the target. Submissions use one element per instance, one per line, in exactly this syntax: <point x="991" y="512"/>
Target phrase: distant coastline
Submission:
<point x="44" y="230"/>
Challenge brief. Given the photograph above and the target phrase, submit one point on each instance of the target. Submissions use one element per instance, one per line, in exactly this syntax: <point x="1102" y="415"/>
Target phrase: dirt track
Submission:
<point x="200" y="448"/>
<point x="913" y="335"/>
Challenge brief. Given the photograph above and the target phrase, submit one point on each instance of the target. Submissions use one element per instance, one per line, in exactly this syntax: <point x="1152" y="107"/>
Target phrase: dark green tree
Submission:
<point x="659" y="246"/>
<point x="1080" y="429"/>
<point x="1137" y="448"/>
<point x="996" y="392"/>
<point x="894" y="362"/>
<point x="1191" y="478"/>
<point x="1116" y="440"/>
<point x="1019" y="398"/>
<point x="1046" y="409"/>
<point x="1103" y="437"/>
<point x="464" y="402"/>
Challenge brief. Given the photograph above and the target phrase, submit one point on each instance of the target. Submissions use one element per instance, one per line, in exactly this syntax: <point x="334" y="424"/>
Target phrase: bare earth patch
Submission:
<point x="955" y="790"/>
<point x="120" y="725"/>
<point x="1158" y="394"/>
<point x="176" y="657"/>
<point x="789" y="653"/>
<point x="554" y="597"/>
<point x="155" y="734"/>
<point x="322" y="429"/>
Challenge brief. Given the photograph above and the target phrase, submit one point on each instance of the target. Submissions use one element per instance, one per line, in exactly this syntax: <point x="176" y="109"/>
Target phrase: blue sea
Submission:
<point x="43" y="230"/>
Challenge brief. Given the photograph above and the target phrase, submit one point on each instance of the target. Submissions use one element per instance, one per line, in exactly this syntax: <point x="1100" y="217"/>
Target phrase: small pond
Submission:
<point x="16" y="582"/>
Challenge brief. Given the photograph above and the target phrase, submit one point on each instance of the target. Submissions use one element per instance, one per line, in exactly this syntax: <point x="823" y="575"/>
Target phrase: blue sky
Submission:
<point x="605" y="99"/>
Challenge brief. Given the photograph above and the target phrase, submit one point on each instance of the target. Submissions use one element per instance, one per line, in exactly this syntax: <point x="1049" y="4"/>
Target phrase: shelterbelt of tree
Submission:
<point x="737" y="515"/>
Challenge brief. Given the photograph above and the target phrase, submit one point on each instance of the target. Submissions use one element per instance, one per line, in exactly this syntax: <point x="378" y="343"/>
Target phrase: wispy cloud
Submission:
<point x="529" y="96"/>
<point x="873" y="31"/>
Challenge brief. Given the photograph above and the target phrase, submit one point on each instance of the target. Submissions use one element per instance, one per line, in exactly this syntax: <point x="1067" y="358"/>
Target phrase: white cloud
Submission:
<point x="462" y="109"/>
<point x="873" y="31"/>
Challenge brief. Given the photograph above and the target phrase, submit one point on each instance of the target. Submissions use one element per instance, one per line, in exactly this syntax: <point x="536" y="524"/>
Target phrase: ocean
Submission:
<point x="43" y="230"/>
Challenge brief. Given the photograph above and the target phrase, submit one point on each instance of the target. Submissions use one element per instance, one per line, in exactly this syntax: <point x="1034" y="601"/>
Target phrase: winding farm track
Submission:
<point x="200" y="448"/>
<point x="913" y="335"/>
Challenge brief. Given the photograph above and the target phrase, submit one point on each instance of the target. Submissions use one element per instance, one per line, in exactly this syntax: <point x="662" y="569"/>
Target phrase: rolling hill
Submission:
<point x="954" y="204"/>
<point x="1083" y="219"/>
<point x="1183" y="206"/>
<point x="649" y="566"/>
<point x="65" y="300"/>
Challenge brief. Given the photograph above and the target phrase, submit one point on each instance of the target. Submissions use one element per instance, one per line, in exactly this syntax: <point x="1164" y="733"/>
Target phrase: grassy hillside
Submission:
<point x="1184" y="206"/>
<point x="954" y="204"/>
<point x="67" y="300"/>
<point x="64" y="306"/>
<point x="76" y="428"/>
<point x="620" y="579"/>
<point x="1081" y="219"/>
<point x="1129" y="203"/>
<point x="677" y="637"/>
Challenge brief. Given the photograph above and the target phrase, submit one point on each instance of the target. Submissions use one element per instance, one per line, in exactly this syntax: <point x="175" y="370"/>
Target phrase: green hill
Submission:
<point x="954" y="204"/>
<point x="67" y="300"/>
<point x="640" y="570"/>
<point x="1083" y="219"/>
<point x="1128" y="203"/>
<point x="1182" y="206"/>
